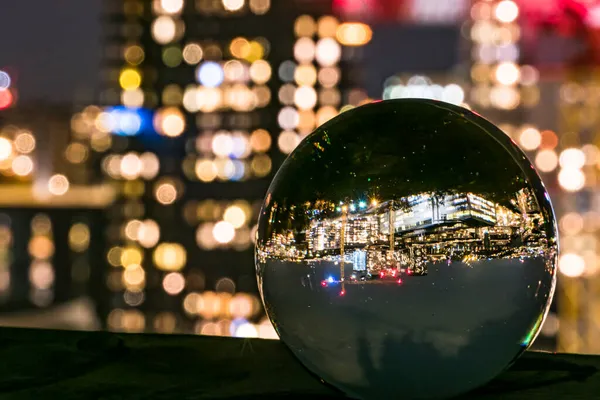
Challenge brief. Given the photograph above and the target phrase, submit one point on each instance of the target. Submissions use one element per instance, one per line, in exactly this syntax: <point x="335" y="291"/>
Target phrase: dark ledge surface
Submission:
<point x="43" y="364"/>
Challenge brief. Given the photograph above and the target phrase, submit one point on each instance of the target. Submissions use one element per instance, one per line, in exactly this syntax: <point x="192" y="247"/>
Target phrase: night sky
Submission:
<point x="51" y="47"/>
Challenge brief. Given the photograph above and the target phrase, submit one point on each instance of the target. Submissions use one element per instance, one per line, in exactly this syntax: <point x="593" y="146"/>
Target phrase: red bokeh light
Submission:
<point x="6" y="99"/>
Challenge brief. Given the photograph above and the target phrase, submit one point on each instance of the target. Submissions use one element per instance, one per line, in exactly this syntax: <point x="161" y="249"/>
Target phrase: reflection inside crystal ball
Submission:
<point x="407" y="249"/>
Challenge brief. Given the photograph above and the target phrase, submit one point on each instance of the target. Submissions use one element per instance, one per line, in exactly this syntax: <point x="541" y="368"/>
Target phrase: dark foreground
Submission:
<point x="41" y="364"/>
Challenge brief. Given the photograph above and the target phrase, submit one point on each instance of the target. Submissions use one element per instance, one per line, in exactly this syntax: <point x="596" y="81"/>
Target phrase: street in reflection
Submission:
<point x="405" y="243"/>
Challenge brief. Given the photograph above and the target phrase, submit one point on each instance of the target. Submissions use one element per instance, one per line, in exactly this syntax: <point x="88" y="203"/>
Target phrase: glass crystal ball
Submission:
<point x="407" y="249"/>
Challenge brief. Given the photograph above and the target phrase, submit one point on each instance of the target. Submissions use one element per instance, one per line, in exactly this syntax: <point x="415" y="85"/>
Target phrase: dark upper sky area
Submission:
<point x="51" y="47"/>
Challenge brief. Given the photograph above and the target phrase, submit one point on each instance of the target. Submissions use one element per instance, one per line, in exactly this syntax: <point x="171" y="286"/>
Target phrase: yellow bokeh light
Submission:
<point x="261" y="165"/>
<point x="150" y="165"/>
<point x="148" y="234"/>
<point x="325" y="114"/>
<point x="530" y="139"/>
<point x="22" y="165"/>
<point x="164" y="29"/>
<point x="506" y="11"/>
<point x="330" y="97"/>
<point x="222" y="144"/>
<point x="131" y="166"/>
<point x="305" y="97"/>
<point x="259" y="7"/>
<point x="505" y="97"/>
<point x="327" y="26"/>
<point x="260" y="140"/>
<point x="132" y="98"/>
<point x="130" y="256"/>
<point x="24" y="142"/>
<point x="41" y="247"/>
<point x="572" y="158"/>
<point x="170" y="122"/>
<point x="260" y="72"/>
<point x="305" y="26"/>
<point x="79" y="237"/>
<point x="191" y="302"/>
<point x="114" y="256"/>
<point x="58" y="185"/>
<point x="192" y="53"/>
<point x="166" y="193"/>
<point x="173" y="283"/>
<point x="171" y="6"/>
<point x="225" y="168"/>
<point x="223" y="232"/>
<point x="305" y="75"/>
<point x="41" y="225"/>
<point x="571" y="223"/>
<point x="354" y="34"/>
<point x="206" y="170"/>
<point x="288" y="118"/>
<point x="132" y="228"/>
<point x="571" y="265"/>
<point x="233" y="5"/>
<point x="41" y="275"/>
<point x="209" y="99"/>
<point x="304" y="50"/>
<point x="329" y="77"/>
<point x="170" y="257"/>
<point x="507" y="73"/>
<point x="571" y="179"/>
<point x="287" y="141"/>
<point x="257" y="51"/>
<point x="134" y="55"/>
<point x="190" y="99"/>
<point x="307" y="121"/>
<point x="546" y="160"/>
<point x="204" y="236"/>
<point x="6" y="148"/>
<point x="235" y="216"/>
<point x="130" y="79"/>
<point x="134" y="276"/>
<point x="239" y="47"/>
<point x="235" y="71"/>
<point x="240" y="98"/>
<point x="172" y="95"/>
<point x="328" y="52"/>
<point x="165" y="322"/>
<point x="262" y="94"/>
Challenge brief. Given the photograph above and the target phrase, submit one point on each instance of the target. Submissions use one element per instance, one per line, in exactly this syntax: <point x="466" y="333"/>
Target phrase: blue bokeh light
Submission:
<point x="210" y="74"/>
<point x="125" y="121"/>
<point x="4" y="80"/>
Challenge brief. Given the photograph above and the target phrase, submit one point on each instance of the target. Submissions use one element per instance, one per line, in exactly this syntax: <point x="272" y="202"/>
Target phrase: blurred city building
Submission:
<point x="535" y="73"/>
<point x="205" y="99"/>
<point x="51" y="208"/>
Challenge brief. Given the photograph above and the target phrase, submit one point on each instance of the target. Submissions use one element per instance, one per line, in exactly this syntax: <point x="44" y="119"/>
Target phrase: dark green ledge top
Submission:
<point x="43" y="364"/>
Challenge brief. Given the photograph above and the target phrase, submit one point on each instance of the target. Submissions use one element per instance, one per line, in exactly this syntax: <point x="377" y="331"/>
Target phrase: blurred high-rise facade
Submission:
<point x="535" y="69"/>
<point x="50" y="209"/>
<point x="205" y="99"/>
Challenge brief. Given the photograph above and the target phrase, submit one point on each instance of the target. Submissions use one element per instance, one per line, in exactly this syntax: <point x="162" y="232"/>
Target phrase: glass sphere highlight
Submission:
<point x="407" y="249"/>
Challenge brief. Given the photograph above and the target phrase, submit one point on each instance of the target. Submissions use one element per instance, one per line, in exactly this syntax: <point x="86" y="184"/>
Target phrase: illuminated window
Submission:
<point x="169" y="122"/>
